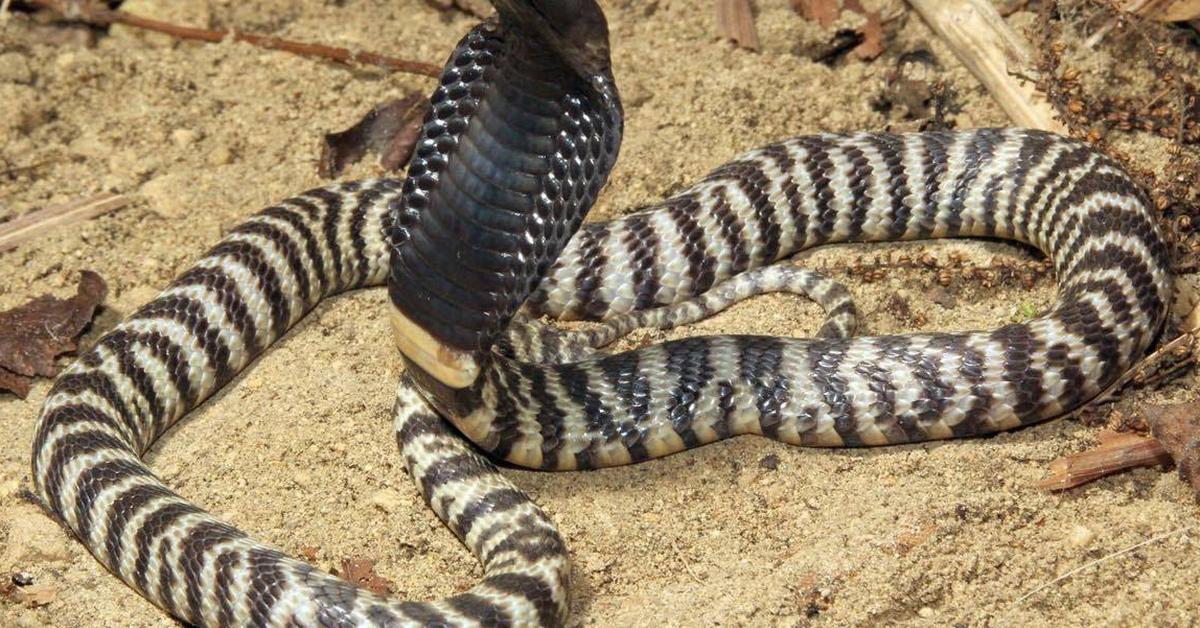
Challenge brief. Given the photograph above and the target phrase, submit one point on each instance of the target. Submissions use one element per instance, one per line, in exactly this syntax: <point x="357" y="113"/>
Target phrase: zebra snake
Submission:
<point x="485" y="235"/>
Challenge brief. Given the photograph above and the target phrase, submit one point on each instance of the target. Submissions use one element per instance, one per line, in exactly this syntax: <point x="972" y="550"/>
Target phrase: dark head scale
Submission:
<point x="575" y="30"/>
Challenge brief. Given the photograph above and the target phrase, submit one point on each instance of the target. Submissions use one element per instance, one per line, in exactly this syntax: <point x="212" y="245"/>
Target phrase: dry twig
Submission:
<point x="994" y="53"/>
<point x="90" y="12"/>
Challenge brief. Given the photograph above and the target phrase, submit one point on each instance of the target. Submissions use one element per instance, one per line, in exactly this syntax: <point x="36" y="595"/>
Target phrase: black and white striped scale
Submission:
<point x="518" y="142"/>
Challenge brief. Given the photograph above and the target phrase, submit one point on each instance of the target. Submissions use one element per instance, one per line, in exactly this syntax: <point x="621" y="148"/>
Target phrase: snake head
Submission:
<point x="576" y="30"/>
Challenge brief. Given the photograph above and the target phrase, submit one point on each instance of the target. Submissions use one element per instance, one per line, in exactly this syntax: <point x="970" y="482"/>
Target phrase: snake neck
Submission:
<point x="517" y="143"/>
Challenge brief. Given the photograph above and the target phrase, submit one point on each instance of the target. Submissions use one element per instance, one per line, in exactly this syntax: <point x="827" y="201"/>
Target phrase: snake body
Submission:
<point x="523" y="129"/>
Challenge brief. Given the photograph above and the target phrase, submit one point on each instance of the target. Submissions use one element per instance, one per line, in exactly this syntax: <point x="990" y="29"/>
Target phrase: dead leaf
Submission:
<point x="390" y="130"/>
<point x="1177" y="427"/>
<point x="735" y="21"/>
<point x="872" y="32"/>
<point x="908" y="541"/>
<point x="33" y="595"/>
<point x="823" y="12"/>
<point x="34" y="334"/>
<point x="309" y="553"/>
<point x="1116" y="452"/>
<point x="361" y="571"/>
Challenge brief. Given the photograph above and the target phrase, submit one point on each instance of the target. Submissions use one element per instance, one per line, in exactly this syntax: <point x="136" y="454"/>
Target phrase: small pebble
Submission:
<point x="302" y="479"/>
<point x="15" y="69"/>
<point x="1081" y="536"/>
<point x="22" y="578"/>
<point x="769" y="462"/>
<point x="220" y="156"/>
<point x="925" y="612"/>
<point x="184" y="138"/>
<point x="387" y="500"/>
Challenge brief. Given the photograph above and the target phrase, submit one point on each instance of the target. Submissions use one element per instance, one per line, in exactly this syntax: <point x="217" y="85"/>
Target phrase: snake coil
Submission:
<point x="487" y="232"/>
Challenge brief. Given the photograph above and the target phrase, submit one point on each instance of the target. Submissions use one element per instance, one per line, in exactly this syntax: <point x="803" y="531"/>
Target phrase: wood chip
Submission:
<point x="42" y="221"/>
<point x="390" y="130"/>
<point x="735" y="21"/>
<point x="34" y="334"/>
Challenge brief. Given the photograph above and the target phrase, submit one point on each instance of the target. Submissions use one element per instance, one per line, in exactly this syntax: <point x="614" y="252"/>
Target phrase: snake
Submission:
<point x="485" y="239"/>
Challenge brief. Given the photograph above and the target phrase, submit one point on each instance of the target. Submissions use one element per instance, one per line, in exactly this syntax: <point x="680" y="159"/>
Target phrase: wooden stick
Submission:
<point x="994" y="53"/>
<point x="37" y="223"/>
<point x="87" y="11"/>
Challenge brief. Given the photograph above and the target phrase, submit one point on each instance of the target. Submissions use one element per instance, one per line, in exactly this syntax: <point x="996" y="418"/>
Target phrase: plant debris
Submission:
<point x="866" y="42"/>
<point x="361" y="571"/>
<point x="823" y="12"/>
<point x="98" y="13"/>
<point x="31" y="595"/>
<point x="735" y="21"/>
<point x="390" y="130"/>
<point x="1116" y="452"/>
<point x="36" y="223"/>
<point x="34" y="334"/>
<point x="1177" y="428"/>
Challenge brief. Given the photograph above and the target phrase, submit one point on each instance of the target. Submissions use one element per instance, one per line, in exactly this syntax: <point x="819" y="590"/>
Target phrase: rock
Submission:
<point x="23" y="109"/>
<point x="925" y="612"/>
<point x="162" y="195"/>
<point x="184" y="138"/>
<point x="387" y="500"/>
<point x="1081" y="536"/>
<point x="14" y="68"/>
<point x="32" y="538"/>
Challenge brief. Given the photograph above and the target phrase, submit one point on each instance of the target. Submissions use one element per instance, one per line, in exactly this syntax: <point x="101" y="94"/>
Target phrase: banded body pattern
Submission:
<point x="548" y="399"/>
<point x="1058" y="195"/>
<point x="109" y="407"/>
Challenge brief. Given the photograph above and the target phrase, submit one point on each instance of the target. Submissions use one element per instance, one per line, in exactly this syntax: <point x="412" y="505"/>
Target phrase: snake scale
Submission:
<point x="486" y="234"/>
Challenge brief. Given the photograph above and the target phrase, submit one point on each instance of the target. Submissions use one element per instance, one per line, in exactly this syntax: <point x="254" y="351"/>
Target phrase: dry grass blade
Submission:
<point x="1102" y="559"/>
<point x="735" y="21"/>
<point x="37" y="223"/>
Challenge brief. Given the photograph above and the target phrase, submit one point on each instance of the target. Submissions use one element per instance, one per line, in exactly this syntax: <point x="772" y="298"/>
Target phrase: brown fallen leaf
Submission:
<point x="908" y="541"/>
<point x="823" y="12"/>
<point x="1116" y="452"/>
<point x="1177" y="428"/>
<point x="735" y="21"/>
<point x="31" y="596"/>
<point x="872" y="32"/>
<point x="308" y="552"/>
<point x="34" y="334"/>
<point x="390" y="130"/>
<point x="361" y="571"/>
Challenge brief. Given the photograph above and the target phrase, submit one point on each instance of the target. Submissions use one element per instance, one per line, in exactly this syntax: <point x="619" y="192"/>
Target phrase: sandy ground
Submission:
<point x="299" y="450"/>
